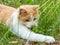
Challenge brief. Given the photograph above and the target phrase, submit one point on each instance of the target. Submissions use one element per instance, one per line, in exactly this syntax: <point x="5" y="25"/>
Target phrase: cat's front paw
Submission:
<point x="49" y="39"/>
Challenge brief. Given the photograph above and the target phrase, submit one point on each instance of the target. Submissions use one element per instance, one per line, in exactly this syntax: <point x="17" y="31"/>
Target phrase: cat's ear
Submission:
<point x="35" y="7"/>
<point x="35" y="11"/>
<point x="22" y="11"/>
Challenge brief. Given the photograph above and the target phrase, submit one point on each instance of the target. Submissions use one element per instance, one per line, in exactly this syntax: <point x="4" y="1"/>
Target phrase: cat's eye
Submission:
<point x="34" y="18"/>
<point x="27" y="20"/>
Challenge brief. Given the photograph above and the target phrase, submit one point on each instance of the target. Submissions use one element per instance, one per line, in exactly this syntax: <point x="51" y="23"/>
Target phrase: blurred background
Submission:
<point x="48" y="23"/>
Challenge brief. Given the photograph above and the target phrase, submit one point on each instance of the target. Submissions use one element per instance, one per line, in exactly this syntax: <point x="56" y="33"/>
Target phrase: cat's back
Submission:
<point x="5" y="12"/>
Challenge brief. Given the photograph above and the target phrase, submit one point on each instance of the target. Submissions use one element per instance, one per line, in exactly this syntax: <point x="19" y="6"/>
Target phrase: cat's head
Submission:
<point x="28" y="14"/>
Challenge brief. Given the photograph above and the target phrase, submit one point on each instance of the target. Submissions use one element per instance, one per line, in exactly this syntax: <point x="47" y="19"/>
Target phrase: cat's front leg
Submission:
<point x="41" y="38"/>
<point x="26" y="33"/>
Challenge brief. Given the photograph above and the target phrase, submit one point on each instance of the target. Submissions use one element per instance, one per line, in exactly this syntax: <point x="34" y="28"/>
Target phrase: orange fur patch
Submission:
<point x="5" y="12"/>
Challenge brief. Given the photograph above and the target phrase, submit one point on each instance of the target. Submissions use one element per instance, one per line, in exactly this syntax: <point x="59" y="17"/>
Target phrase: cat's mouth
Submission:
<point x="30" y="27"/>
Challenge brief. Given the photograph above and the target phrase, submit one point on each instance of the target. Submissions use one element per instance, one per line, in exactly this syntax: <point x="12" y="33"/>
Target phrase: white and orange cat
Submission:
<point x="21" y="20"/>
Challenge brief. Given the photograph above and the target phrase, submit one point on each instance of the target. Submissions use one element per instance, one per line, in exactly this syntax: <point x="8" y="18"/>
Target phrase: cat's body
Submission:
<point x="5" y="12"/>
<point x="21" y="20"/>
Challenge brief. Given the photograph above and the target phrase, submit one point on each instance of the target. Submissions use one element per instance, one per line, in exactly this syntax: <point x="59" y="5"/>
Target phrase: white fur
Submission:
<point x="22" y="31"/>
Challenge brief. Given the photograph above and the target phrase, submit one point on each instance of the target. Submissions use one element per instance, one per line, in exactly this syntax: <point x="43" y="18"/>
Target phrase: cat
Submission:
<point x="21" y="20"/>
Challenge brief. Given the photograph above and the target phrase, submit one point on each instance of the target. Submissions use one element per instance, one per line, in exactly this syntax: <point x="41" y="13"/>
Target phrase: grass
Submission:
<point x="48" y="24"/>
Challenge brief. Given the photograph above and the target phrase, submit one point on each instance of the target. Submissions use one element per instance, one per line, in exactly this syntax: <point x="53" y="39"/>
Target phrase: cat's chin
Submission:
<point x="28" y="27"/>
